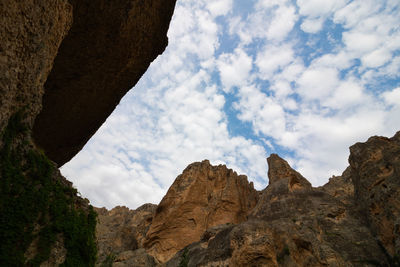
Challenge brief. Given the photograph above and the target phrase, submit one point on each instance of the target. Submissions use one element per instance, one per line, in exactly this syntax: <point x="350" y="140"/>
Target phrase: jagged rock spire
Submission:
<point x="280" y="170"/>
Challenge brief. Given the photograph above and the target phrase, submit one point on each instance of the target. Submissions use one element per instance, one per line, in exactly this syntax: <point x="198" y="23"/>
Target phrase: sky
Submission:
<point x="241" y="79"/>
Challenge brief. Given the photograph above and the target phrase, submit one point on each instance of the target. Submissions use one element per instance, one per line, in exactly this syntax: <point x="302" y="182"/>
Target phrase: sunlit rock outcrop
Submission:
<point x="293" y="224"/>
<point x="212" y="217"/>
<point x="201" y="197"/>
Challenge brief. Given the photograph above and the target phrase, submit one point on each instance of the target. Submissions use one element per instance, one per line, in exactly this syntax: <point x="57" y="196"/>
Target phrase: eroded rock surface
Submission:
<point x="375" y="170"/>
<point x="290" y="226"/>
<point x="201" y="197"/>
<point x="121" y="231"/>
<point x="341" y="187"/>
<point x="109" y="47"/>
<point x="213" y="217"/>
<point x="30" y="35"/>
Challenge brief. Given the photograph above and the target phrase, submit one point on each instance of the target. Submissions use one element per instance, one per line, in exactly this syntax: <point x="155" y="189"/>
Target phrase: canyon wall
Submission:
<point x="71" y="62"/>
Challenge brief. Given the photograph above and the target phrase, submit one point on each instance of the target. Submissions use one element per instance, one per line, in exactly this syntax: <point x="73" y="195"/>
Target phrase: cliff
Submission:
<point x="201" y="197"/>
<point x="108" y="48"/>
<point x="211" y="216"/>
<point x="57" y="58"/>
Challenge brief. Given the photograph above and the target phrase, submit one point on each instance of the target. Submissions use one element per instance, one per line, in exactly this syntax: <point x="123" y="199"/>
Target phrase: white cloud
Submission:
<point x="312" y="25"/>
<point x="317" y="83"/>
<point x="347" y="93"/>
<point x="361" y="42"/>
<point x="315" y="13"/>
<point x="317" y="8"/>
<point x="341" y="60"/>
<point x="272" y="20"/>
<point x="234" y="68"/>
<point x="282" y="23"/>
<point x="219" y="7"/>
<point x="311" y="106"/>
<point x="272" y="59"/>
<point x="264" y="112"/>
<point x="392" y="97"/>
<point x="376" y="58"/>
<point x="356" y="12"/>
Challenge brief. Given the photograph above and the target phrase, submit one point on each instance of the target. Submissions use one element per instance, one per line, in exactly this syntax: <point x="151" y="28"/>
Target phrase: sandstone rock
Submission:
<point x="137" y="258"/>
<point x="201" y="197"/>
<point x="107" y="50"/>
<point x="341" y="187"/>
<point x="109" y="46"/>
<point x="375" y="170"/>
<point x="31" y="32"/>
<point x="290" y="226"/>
<point x="121" y="229"/>
<point x="280" y="170"/>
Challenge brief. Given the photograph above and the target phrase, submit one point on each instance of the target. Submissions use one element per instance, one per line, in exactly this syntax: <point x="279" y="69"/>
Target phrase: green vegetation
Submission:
<point x="36" y="206"/>
<point x="185" y="258"/>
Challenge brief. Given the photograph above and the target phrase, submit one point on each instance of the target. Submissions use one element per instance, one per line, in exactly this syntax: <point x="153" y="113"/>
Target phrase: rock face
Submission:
<point x="31" y="33"/>
<point x="213" y="217"/>
<point x="280" y="172"/>
<point x="201" y="197"/>
<point x="121" y="231"/>
<point x="293" y="224"/>
<point x="375" y="170"/>
<point x="341" y="187"/>
<point x="109" y="47"/>
<point x="95" y="51"/>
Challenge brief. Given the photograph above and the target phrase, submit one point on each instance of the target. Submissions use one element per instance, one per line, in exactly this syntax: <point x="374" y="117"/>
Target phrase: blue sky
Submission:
<point x="240" y="80"/>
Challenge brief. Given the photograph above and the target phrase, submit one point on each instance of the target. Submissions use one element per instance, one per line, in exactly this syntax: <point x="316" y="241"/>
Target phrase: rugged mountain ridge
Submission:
<point x="353" y="220"/>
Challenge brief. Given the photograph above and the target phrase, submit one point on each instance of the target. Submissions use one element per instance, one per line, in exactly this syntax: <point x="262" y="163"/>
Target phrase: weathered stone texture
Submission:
<point x="201" y="197"/>
<point x="121" y="231"/>
<point x="30" y="35"/>
<point x="95" y="50"/>
<point x="375" y="170"/>
<point x="109" y="47"/>
<point x="301" y="227"/>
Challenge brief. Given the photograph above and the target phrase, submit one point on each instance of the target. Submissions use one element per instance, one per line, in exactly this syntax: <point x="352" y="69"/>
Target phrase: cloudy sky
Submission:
<point x="242" y="79"/>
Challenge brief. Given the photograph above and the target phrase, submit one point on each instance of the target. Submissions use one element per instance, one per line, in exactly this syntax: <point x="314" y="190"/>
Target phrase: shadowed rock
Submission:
<point x="107" y="50"/>
<point x="375" y="170"/>
<point x="120" y="234"/>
